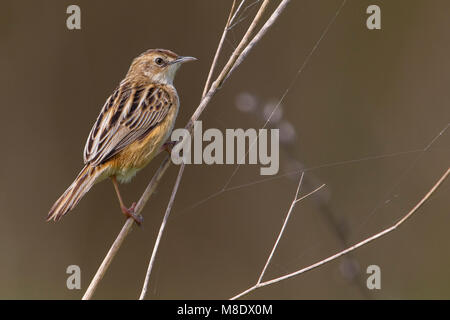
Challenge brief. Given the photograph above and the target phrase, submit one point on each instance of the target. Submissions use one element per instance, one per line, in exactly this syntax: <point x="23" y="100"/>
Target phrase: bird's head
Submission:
<point x="157" y="66"/>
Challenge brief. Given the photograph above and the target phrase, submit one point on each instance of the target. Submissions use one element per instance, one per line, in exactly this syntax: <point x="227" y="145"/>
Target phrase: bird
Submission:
<point x="131" y="129"/>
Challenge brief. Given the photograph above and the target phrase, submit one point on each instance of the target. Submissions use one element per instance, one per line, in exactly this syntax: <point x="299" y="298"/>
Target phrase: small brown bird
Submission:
<point x="131" y="129"/>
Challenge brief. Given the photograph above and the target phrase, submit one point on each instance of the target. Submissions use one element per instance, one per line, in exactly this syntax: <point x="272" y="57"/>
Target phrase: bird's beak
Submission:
<point x="181" y="59"/>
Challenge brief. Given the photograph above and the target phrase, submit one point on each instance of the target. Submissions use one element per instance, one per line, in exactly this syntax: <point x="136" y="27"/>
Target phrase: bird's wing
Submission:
<point x="129" y="114"/>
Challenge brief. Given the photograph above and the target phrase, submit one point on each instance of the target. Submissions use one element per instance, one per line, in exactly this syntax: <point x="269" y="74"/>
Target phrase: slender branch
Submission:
<point x="180" y="174"/>
<point x="244" y="41"/>
<point x="280" y="234"/>
<point x="239" y="19"/>
<point x="235" y="13"/>
<point x="282" y="229"/>
<point x="352" y="248"/>
<point x="294" y="202"/>
<point x="166" y="163"/>
<point x="161" y="231"/>
<point x="129" y="222"/>
<point x="260" y="34"/>
<point x="219" y="47"/>
<point x="125" y="230"/>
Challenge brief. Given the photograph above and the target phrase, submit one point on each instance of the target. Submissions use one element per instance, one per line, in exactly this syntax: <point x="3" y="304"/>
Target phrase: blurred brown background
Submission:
<point x="363" y="94"/>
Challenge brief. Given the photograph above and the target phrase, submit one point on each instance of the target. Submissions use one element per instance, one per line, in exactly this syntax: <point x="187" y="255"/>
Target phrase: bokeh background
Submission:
<point x="357" y="118"/>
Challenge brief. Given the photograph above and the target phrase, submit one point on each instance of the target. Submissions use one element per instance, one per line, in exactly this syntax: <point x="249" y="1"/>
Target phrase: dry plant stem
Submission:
<point x="144" y="198"/>
<point x="166" y="163"/>
<point x="260" y="34"/>
<point x="107" y="260"/>
<point x="160" y="233"/>
<point x="280" y="234"/>
<point x="282" y="229"/>
<point x="219" y="48"/>
<point x="181" y="170"/>
<point x="205" y="100"/>
<point x="239" y="19"/>
<point x="237" y="52"/>
<point x="244" y="41"/>
<point x="294" y="202"/>
<point x="235" y="14"/>
<point x="354" y="247"/>
<point x="125" y="230"/>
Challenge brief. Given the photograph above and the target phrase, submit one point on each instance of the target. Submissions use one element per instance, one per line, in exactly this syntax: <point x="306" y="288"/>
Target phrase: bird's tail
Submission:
<point x="75" y="192"/>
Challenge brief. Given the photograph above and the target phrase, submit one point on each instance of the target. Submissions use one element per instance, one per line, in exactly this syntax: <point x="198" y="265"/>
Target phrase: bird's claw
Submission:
<point x="168" y="146"/>
<point x="130" y="213"/>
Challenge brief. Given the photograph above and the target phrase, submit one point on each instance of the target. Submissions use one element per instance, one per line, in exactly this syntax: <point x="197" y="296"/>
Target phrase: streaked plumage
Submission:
<point x="131" y="128"/>
<point x="128" y="115"/>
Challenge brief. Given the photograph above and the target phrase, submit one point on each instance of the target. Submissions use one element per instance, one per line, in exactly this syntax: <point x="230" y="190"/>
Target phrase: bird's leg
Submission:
<point x="129" y="212"/>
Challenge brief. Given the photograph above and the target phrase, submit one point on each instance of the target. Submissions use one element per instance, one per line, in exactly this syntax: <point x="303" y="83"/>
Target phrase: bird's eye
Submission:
<point x="159" y="61"/>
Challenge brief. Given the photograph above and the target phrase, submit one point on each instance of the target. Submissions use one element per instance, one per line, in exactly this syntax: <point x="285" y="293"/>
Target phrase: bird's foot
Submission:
<point x="130" y="213"/>
<point x="168" y="146"/>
